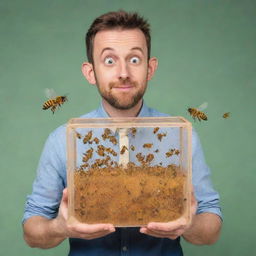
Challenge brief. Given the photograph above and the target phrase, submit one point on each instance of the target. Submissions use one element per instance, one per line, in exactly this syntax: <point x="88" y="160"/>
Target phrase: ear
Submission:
<point x="88" y="72"/>
<point x="152" y="67"/>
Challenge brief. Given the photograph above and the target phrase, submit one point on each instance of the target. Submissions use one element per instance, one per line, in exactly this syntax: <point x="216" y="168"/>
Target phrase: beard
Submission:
<point x="123" y="100"/>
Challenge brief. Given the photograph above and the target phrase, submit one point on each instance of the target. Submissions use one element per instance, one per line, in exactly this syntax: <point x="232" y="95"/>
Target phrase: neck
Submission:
<point x="114" y="112"/>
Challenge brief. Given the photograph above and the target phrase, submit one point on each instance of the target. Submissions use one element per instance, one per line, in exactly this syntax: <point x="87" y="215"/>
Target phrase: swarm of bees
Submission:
<point x="53" y="101"/>
<point x="105" y="152"/>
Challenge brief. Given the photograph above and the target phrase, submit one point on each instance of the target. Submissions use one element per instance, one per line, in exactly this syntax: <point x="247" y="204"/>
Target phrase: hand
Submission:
<point x="79" y="230"/>
<point x="172" y="229"/>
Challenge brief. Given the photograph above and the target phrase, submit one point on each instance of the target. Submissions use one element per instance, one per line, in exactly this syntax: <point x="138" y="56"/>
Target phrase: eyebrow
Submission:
<point x="112" y="49"/>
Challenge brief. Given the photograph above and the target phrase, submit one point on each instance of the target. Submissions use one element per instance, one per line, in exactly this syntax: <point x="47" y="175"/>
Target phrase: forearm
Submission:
<point x="42" y="232"/>
<point x="204" y="230"/>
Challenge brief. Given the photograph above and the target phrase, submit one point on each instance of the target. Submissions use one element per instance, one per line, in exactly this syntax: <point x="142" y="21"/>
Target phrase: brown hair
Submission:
<point x="120" y="19"/>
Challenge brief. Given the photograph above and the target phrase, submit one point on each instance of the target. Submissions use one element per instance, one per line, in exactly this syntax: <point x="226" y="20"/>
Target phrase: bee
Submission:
<point x="96" y="140"/>
<point x="131" y="165"/>
<point x="140" y="157"/>
<point x="156" y="130"/>
<point x="87" y="137"/>
<point x="84" y="165"/>
<point x="78" y="135"/>
<point x="54" y="101"/>
<point x="106" y="134"/>
<point x="176" y="152"/>
<point x="161" y="135"/>
<point x="113" y="139"/>
<point x="156" y="151"/>
<point x="111" y="151"/>
<point x="133" y="130"/>
<point x="88" y="155"/>
<point x="226" y="115"/>
<point x="101" y="150"/>
<point x="124" y="148"/>
<point x="149" y="158"/>
<point x="170" y="152"/>
<point x="147" y="145"/>
<point x="198" y="112"/>
<point x="132" y="148"/>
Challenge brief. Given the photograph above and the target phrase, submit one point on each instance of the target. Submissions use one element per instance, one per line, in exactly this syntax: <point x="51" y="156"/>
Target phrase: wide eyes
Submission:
<point x="111" y="61"/>
<point x="134" y="60"/>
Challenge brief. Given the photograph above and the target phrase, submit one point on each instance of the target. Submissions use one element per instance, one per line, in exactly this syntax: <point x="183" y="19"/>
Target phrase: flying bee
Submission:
<point x="156" y="130"/>
<point x="54" y="101"/>
<point x="156" y="151"/>
<point x="198" y="112"/>
<point x="147" y="145"/>
<point x="132" y="148"/>
<point x="226" y="115"/>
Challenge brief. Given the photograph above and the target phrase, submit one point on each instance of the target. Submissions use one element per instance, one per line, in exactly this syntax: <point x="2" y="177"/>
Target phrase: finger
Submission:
<point x="92" y="228"/>
<point x="176" y="232"/>
<point x="168" y="226"/>
<point x="165" y="233"/>
<point x="65" y="196"/>
<point x="96" y="235"/>
<point x="193" y="203"/>
<point x="159" y="234"/>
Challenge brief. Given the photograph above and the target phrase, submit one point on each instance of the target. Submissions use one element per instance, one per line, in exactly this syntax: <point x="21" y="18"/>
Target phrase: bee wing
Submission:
<point x="50" y="93"/>
<point x="203" y="106"/>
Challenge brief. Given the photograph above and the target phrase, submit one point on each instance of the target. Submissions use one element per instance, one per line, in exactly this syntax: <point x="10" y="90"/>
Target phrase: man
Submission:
<point x="119" y="64"/>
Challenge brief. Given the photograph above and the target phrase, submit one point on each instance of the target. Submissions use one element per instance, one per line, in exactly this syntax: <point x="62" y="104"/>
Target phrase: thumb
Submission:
<point x="65" y="196"/>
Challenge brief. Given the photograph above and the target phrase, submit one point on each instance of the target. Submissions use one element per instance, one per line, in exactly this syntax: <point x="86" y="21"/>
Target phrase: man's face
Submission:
<point x="121" y="66"/>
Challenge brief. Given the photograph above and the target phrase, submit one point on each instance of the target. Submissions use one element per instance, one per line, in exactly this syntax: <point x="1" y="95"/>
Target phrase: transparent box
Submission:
<point x="129" y="171"/>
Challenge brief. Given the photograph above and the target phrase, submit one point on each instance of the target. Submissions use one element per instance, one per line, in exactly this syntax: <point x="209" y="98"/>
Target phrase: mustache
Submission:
<point x="123" y="82"/>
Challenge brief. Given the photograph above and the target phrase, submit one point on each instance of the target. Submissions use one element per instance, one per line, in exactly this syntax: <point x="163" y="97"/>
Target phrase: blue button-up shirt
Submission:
<point x="51" y="180"/>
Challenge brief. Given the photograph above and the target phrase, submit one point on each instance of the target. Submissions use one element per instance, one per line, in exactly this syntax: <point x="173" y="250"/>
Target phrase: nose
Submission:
<point x="123" y="70"/>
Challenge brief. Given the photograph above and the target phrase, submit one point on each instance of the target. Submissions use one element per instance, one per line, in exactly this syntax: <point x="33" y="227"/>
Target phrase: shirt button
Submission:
<point x="124" y="248"/>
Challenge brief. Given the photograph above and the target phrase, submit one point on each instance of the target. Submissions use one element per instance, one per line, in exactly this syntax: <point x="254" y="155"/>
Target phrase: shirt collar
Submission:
<point x="144" y="111"/>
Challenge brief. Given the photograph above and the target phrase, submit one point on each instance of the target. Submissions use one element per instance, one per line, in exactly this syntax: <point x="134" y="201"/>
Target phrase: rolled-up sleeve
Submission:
<point x="49" y="182"/>
<point x="208" y="198"/>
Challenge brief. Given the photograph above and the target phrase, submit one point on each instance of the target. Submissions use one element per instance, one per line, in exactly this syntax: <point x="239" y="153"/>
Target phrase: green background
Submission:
<point x="206" y="51"/>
